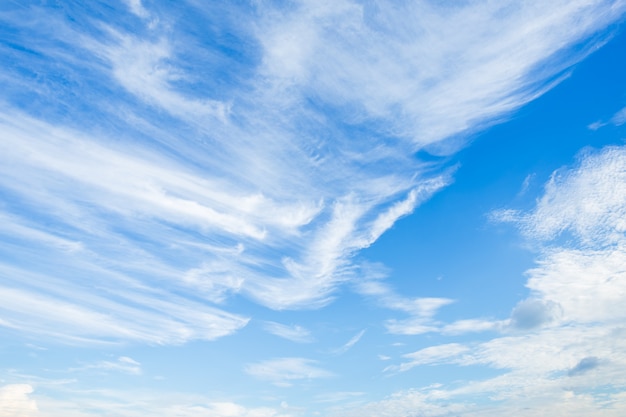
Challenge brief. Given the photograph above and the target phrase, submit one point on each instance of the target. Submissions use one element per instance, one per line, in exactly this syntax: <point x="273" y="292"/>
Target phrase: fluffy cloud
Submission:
<point x="589" y="202"/>
<point x="15" y="401"/>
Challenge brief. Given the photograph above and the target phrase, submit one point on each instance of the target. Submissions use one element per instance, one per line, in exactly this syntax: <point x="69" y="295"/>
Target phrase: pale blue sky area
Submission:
<point x="312" y="208"/>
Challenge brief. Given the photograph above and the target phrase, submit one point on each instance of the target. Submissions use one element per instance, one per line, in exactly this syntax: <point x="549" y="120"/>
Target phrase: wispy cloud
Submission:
<point x="122" y="364"/>
<point x="350" y="343"/>
<point x="294" y="333"/>
<point x="588" y="202"/>
<point x="421" y="310"/>
<point x="617" y="119"/>
<point x="264" y="176"/>
<point x="407" y="51"/>
<point x="429" y="356"/>
<point x="75" y="315"/>
<point x="137" y="8"/>
<point x="284" y="372"/>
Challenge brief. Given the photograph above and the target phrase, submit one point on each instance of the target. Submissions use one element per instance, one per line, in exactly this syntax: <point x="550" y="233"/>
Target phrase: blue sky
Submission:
<point x="312" y="208"/>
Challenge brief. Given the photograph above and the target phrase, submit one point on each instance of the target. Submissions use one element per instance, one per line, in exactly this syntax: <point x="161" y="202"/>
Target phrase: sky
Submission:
<point x="275" y="208"/>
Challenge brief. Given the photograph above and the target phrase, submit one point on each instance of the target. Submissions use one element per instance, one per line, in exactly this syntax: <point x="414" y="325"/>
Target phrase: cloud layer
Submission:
<point x="167" y="192"/>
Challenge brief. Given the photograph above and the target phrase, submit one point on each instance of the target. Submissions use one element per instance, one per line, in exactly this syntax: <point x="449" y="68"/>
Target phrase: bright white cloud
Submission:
<point x="428" y="70"/>
<point x="15" y="401"/>
<point x="589" y="202"/>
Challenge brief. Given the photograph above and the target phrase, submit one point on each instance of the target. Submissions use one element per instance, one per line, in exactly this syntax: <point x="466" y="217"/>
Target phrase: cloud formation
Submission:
<point x="159" y="162"/>
<point x="160" y="185"/>
<point x="549" y="352"/>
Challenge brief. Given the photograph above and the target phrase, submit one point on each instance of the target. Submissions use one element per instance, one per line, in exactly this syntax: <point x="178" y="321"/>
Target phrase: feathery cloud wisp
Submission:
<point x="263" y="180"/>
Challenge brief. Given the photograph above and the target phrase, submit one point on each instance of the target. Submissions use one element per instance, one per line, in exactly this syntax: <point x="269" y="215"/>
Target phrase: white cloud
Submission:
<point x="284" y="372"/>
<point x="589" y="201"/>
<point x="123" y="364"/>
<point x="472" y="326"/>
<point x="422" y="311"/>
<point x="350" y="343"/>
<point x="429" y="71"/>
<point x="91" y="318"/>
<point x="299" y="158"/>
<point x="217" y="279"/>
<point x="15" y="401"/>
<point x="142" y="68"/>
<point x="429" y="356"/>
<point x="617" y="119"/>
<point x="137" y="8"/>
<point x="294" y="333"/>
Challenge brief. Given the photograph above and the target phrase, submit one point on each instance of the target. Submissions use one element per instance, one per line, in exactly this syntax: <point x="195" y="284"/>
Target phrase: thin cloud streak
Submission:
<point x="350" y="343"/>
